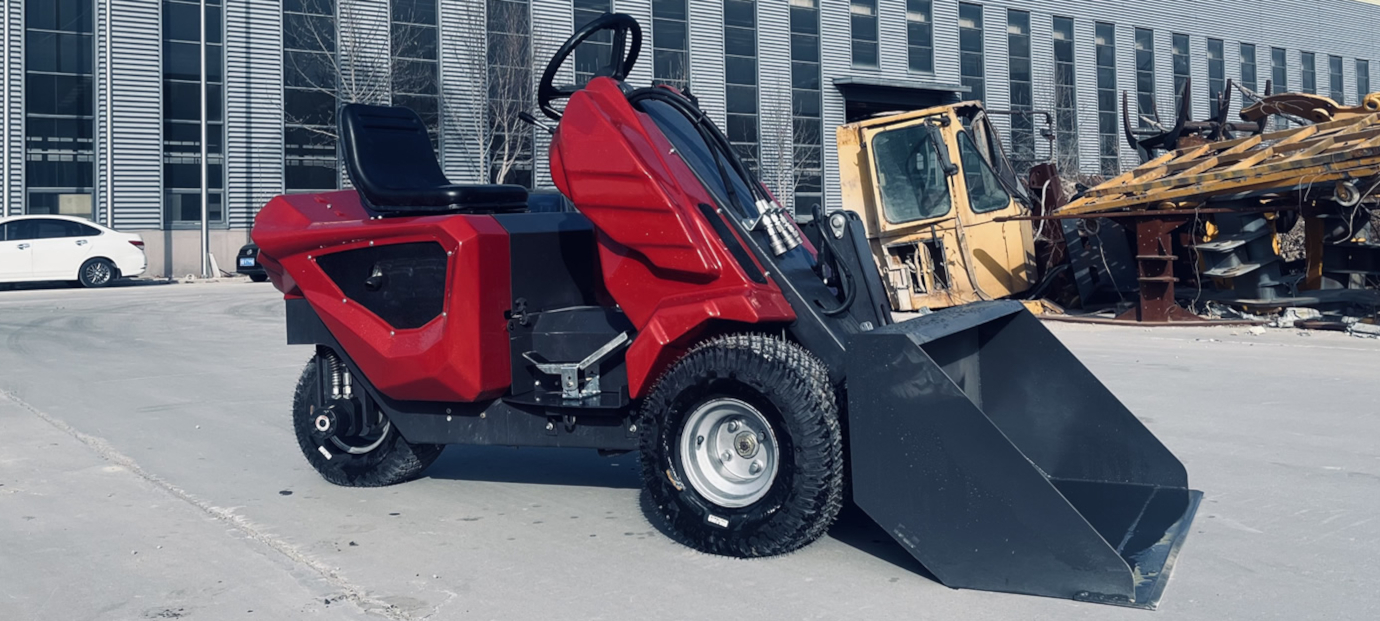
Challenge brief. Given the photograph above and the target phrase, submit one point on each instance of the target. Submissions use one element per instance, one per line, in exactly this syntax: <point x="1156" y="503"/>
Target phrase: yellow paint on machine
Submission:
<point x="925" y="187"/>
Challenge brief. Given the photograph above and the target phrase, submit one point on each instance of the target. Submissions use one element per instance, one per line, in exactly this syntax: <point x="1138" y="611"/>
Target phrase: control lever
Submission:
<point x="532" y="120"/>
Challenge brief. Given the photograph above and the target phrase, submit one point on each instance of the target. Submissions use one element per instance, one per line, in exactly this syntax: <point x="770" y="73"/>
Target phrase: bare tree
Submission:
<point x="347" y="59"/>
<point x="787" y="149"/>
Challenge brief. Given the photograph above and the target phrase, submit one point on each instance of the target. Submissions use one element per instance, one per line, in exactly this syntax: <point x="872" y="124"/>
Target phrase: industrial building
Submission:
<point x="103" y="113"/>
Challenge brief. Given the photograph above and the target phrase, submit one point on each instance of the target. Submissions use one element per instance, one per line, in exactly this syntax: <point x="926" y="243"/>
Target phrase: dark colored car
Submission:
<point x="247" y="263"/>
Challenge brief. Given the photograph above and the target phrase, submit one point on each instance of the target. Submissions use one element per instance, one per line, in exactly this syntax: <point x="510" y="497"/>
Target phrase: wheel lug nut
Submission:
<point x="699" y="440"/>
<point x="727" y="456"/>
<point x="755" y="467"/>
<point x="733" y="425"/>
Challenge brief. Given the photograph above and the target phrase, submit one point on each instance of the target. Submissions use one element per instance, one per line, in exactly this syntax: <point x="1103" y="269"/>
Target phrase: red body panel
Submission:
<point x="662" y="262"/>
<point x="462" y="355"/>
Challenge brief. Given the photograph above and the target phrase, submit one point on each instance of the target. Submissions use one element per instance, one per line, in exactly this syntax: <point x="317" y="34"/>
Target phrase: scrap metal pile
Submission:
<point x="1209" y="211"/>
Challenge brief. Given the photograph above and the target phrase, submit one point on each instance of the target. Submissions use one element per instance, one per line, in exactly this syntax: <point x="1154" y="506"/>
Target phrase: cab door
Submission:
<point x="1000" y="256"/>
<point x="16" y="252"/>
<point x="910" y="181"/>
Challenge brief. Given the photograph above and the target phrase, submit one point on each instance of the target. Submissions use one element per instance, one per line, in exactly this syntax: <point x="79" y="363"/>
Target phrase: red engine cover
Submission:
<point x="662" y="262"/>
<point x="461" y="355"/>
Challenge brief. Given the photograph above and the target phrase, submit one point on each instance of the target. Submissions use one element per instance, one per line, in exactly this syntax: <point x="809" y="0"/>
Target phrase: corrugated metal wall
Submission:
<point x="12" y="112"/>
<point x="1332" y="27"/>
<point x="254" y="106"/>
<point x="463" y="60"/>
<point x="138" y="112"/>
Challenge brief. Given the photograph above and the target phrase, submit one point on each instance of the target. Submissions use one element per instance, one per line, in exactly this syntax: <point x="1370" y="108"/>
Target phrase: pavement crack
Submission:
<point x="354" y="594"/>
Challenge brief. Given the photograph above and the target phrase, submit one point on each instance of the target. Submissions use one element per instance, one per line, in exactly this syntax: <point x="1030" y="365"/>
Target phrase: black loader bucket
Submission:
<point x="989" y="452"/>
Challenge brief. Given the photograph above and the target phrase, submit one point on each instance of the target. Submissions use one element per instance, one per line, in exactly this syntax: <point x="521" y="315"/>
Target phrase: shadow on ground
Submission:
<point x="60" y="284"/>
<point x="541" y="466"/>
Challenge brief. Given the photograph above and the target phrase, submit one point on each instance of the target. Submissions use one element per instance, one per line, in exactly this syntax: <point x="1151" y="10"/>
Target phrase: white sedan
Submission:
<point x="36" y="248"/>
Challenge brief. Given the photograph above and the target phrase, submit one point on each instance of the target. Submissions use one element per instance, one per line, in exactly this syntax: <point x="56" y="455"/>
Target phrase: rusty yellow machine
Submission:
<point x="932" y="188"/>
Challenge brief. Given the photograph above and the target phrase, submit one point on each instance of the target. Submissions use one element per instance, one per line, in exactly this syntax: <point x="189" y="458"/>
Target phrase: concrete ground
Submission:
<point x="148" y="471"/>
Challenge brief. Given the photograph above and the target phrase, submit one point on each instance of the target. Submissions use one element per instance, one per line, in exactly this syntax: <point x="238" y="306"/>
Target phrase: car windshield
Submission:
<point x="984" y="191"/>
<point x="909" y="175"/>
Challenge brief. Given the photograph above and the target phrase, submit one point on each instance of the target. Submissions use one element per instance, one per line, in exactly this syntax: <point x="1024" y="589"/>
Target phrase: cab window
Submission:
<point x="984" y="191"/>
<point x="910" y="177"/>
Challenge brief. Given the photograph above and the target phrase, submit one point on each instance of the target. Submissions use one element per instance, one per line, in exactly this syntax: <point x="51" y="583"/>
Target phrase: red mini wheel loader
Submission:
<point x="680" y="312"/>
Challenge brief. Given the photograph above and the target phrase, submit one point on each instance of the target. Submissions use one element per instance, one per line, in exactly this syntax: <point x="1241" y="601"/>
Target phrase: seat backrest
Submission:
<point x="388" y="154"/>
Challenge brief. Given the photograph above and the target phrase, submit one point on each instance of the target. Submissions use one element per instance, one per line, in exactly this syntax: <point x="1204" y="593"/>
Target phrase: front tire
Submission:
<point x="742" y="454"/>
<point x="258" y="277"/>
<point x="96" y="273"/>
<point x="380" y="459"/>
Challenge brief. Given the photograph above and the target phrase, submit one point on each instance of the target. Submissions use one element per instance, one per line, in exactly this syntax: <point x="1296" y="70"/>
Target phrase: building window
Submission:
<point x="1362" y="79"/>
<point x="510" y="92"/>
<point x="1022" y="125"/>
<point x="806" y="113"/>
<point x="1181" y="70"/>
<point x="182" y="113"/>
<point x="1279" y="77"/>
<point x="740" y="79"/>
<point x="416" y="72"/>
<point x="864" y="30"/>
<point x="59" y="109"/>
<point x="670" y="42"/>
<point x="1065" y="96"/>
<point x="1107" y="131"/>
<point x="1248" y="76"/>
<point x="971" y="61"/>
<point x="1334" y="75"/>
<point x="1145" y="74"/>
<point x="309" y="96"/>
<point x="1310" y="72"/>
<point x="1217" y="73"/>
<point x="920" y="35"/>
<point x="593" y="54"/>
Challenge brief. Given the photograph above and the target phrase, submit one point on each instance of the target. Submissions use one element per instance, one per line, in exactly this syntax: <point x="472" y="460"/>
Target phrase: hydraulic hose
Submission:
<point x="846" y="282"/>
<point x="722" y="152"/>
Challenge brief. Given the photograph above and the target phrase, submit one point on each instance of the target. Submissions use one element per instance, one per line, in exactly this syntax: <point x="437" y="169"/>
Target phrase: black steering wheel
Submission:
<point x="621" y="24"/>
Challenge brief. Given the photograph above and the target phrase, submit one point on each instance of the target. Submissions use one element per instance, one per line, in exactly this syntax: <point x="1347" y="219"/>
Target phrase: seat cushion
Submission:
<point x="392" y="164"/>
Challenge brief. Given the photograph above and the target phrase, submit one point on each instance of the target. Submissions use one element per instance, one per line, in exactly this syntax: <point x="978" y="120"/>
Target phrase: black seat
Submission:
<point x="391" y="163"/>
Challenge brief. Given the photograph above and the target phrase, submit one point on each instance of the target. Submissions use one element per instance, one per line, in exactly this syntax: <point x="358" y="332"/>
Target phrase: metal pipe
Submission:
<point x="205" y="183"/>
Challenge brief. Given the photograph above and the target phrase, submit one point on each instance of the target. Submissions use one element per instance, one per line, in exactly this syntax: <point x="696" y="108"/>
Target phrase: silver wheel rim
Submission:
<point x="98" y="273"/>
<point x="360" y="450"/>
<point x="729" y="452"/>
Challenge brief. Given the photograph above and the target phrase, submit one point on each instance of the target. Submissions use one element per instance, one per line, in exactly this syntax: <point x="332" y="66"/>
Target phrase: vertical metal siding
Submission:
<point x="641" y="10"/>
<point x="12" y="114"/>
<point x="1198" y="72"/>
<point x="463" y="59"/>
<point x="893" y="53"/>
<point x="254" y="107"/>
<point x="997" y="66"/>
<point x="1042" y="75"/>
<point x="553" y="21"/>
<point x="836" y="51"/>
<point x="1085" y="72"/>
<point x="136" y="82"/>
<point x="774" y="87"/>
<point x="1126" y="83"/>
<point x="946" y="41"/>
<point x="707" y="57"/>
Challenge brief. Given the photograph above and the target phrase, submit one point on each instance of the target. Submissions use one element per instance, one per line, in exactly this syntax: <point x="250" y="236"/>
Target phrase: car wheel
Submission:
<point x="258" y="277"/>
<point x="742" y="452"/>
<point x="374" y="459"/>
<point x="96" y="273"/>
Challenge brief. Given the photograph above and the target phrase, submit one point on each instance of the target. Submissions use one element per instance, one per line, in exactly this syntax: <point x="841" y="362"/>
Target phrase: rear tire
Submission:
<point x="389" y="459"/>
<point x="709" y="493"/>
<point x="97" y="273"/>
<point x="258" y="277"/>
